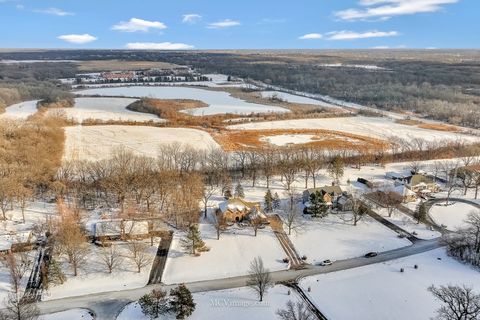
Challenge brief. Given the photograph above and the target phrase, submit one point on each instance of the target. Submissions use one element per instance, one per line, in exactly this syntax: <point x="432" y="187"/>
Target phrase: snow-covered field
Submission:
<point x="20" y="110"/>
<point x="295" y="99"/>
<point x="97" y="142"/>
<point x="218" y="102"/>
<point x="104" y="109"/>
<point x="332" y="238"/>
<point x="72" y="314"/>
<point x="94" y="277"/>
<point x="452" y="216"/>
<point x="380" y="291"/>
<point x="234" y="304"/>
<point x="228" y="257"/>
<point x="382" y="128"/>
<point x="286" y="139"/>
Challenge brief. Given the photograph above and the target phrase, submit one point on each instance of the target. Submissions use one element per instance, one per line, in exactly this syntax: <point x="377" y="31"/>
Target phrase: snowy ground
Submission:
<point x="94" y="277"/>
<point x="380" y="291"/>
<point x="409" y="224"/>
<point x="218" y="102"/>
<point x="286" y="139"/>
<point x="332" y="238"/>
<point x="228" y="257"/>
<point x="97" y="142"/>
<point x="72" y="314"/>
<point x="295" y="99"/>
<point x="382" y="128"/>
<point x="20" y="110"/>
<point x="453" y="216"/>
<point x="104" y="109"/>
<point x="234" y="304"/>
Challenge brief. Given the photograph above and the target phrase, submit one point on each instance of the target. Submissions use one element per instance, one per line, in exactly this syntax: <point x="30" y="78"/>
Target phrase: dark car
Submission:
<point x="371" y="255"/>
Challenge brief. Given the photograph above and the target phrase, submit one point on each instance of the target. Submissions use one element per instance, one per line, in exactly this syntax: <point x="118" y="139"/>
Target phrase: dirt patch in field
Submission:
<point x="429" y="126"/>
<point x="232" y="140"/>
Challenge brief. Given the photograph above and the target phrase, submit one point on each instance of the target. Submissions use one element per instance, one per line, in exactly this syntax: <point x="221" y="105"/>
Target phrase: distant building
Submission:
<point x="330" y="194"/>
<point x="16" y="241"/>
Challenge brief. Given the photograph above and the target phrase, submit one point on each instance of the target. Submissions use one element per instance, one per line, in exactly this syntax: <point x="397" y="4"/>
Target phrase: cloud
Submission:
<point x="191" y="18"/>
<point x="158" y="46"/>
<point x="385" y="9"/>
<point x="135" y="25"/>
<point x="77" y="38"/>
<point x="55" y="12"/>
<point x="310" y="36"/>
<point x="227" y="23"/>
<point x="352" y="35"/>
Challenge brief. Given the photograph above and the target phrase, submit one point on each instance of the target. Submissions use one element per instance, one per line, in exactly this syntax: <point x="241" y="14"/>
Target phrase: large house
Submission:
<point x="421" y="183"/>
<point x="330" y="194"/>
<point x="237" y="210"/>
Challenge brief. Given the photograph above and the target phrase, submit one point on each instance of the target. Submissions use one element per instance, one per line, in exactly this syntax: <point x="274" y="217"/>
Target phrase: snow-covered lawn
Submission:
<point x="381" y="291"/>
<point x="103" y="109"/>
<point x="452" y="216"/>
<point x="332" y="238"/>
<point x="409" y="224"/>
<point x="382" y="128"/>
<point x="72" y="314"/>
<point x="20" y="110"/>
<point x="234" y="304"/>
<point x="97" y="142"/>
<point x="228" y="257"/>
<point x="94" y="276"/>
<point x="219" y="102"/>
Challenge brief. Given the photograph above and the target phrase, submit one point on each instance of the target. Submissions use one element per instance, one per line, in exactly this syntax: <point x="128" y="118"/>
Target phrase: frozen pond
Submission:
<point x="219" y="102"/>
<point x="104" y="109"/>
<point x="20" y="110"/>
<point x="295" y="99"/>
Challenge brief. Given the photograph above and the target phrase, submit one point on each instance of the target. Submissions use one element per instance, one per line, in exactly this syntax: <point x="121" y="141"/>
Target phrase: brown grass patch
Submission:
<point x="232" y="140"/>
<point x="439" y="127"/>
<point x="408" y="122"/>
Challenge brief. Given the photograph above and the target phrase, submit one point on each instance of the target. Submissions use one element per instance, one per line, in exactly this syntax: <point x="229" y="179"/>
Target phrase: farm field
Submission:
<point x="368" y="289"/>
<point x="294" y="98"/>
<point x="103" y="109"/>
<point x="380" y="128"/>
<point x="98" y="142"/>
<point x="219" y="102"/>
<point x="452" y="216"/>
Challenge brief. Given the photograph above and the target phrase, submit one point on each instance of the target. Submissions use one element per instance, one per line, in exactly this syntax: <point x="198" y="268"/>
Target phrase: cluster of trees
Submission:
<point x="465" y="244"/>
<point x="179" y="302"/>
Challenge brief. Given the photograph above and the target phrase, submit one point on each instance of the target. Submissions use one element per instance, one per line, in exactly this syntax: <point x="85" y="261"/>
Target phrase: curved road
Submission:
<point x="107" y="305"/>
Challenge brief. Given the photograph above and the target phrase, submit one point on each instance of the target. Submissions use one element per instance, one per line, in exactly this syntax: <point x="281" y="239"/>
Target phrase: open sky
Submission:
<point x="246" y="24"/>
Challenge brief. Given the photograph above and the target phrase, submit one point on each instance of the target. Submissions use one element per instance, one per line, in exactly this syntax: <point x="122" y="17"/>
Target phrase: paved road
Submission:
<point x="108" y="304"/>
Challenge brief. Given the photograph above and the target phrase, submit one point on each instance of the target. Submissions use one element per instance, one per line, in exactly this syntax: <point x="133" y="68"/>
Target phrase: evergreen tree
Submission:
<point x="421" y="213"/>
<point x="239" y="191"/>
<point x="182" y="302"/>
<point x="154" y="304"/>
<point x="227" y="193"/>
<point x="276" y="201"/>
<point x="318" y="207"/>
<point x="268" y="201"/>
<point x="192" y="240"/>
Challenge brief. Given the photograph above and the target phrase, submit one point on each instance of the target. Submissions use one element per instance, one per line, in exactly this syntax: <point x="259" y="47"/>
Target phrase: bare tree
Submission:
<point x="259" y="279"/>
<point x="139" y="254"/>
<point x="208" y="191"/>
<point x="296" y="311"/>
<point x="219" y="222"/>
<point x="18" y="265"/>
<point x="256" y="222"/>
<point x="18" y="308"/>
<point x="111" y="257"/>
<point x="292" y="218"/>
<point x="458" y="303"/>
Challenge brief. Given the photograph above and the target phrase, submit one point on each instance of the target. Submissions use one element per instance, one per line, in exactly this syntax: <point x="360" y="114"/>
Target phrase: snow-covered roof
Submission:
<point x="7" y="240"/>
<point x="404" y="191"/>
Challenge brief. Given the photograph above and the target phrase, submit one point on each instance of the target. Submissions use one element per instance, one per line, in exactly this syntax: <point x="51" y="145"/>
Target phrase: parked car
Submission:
<point x="327" y="262"/>
<point x="371" y="254"/>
